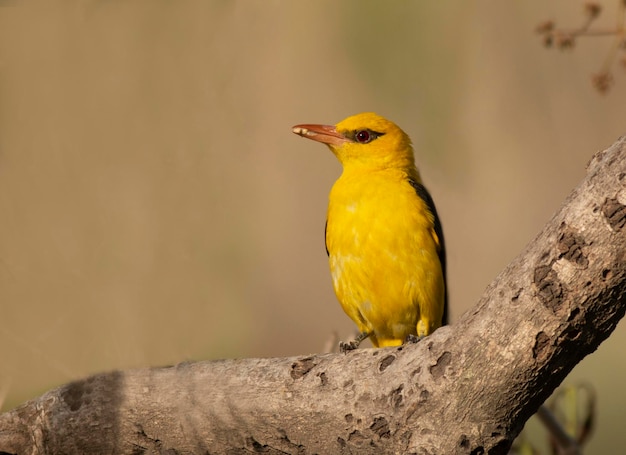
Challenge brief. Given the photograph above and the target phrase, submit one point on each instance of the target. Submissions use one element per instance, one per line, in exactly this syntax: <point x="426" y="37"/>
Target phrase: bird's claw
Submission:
<point x="412" y="339"/>
<point x="346" y="346"/>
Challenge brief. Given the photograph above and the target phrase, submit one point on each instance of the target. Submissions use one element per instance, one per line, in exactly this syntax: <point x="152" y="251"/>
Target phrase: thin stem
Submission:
<point x="567" y="445"/>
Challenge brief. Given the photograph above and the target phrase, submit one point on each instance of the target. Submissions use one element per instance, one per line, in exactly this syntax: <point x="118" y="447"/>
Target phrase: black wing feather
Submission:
<point x="325" y="239"/>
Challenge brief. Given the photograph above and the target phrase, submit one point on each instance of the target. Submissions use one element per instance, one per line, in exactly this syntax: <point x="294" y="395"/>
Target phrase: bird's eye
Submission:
<point x="363" y="136"/>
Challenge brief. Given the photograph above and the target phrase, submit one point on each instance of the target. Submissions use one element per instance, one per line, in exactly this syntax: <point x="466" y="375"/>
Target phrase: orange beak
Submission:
<point x="326" y="134"/>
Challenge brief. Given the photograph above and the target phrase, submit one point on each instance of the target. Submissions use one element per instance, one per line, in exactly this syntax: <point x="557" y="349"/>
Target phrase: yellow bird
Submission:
<point x="383" y="236"/>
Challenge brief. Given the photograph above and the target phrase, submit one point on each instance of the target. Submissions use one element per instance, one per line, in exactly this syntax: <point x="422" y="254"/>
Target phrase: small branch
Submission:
<point x="567" y="445"/>
<point x="565" y="39"/>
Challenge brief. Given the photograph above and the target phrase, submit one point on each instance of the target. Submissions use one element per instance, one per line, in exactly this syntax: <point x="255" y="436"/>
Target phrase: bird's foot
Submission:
<point x="345" y="346"/>
<point x="412" y="339"/>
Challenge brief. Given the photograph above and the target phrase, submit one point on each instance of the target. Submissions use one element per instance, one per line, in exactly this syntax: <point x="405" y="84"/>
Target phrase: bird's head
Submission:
<point x="364" y="140"/>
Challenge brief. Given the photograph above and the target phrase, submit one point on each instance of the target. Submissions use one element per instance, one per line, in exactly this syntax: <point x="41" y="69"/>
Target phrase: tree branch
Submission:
<point x="468" y="388"/>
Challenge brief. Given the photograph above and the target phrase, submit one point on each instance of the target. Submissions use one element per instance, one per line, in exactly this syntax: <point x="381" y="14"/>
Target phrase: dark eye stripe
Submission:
<point x="364" y="136"/>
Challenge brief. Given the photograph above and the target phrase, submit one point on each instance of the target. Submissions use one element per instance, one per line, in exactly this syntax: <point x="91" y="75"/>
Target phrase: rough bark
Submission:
<point x="466" y="389"/>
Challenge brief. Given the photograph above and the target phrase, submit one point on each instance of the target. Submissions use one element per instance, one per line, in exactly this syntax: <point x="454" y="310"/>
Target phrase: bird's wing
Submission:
<point x="423" y="193"/>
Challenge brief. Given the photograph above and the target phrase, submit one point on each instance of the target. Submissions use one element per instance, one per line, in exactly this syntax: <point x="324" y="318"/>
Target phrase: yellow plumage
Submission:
<point x="383" y="237"/>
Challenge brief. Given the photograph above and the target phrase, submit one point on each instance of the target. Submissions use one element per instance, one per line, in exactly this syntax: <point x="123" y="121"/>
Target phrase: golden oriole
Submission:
<point x="383" y="236"/>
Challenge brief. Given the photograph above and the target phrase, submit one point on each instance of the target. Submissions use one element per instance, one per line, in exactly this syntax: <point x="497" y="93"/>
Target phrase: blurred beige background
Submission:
<point x="155" y="206"/>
